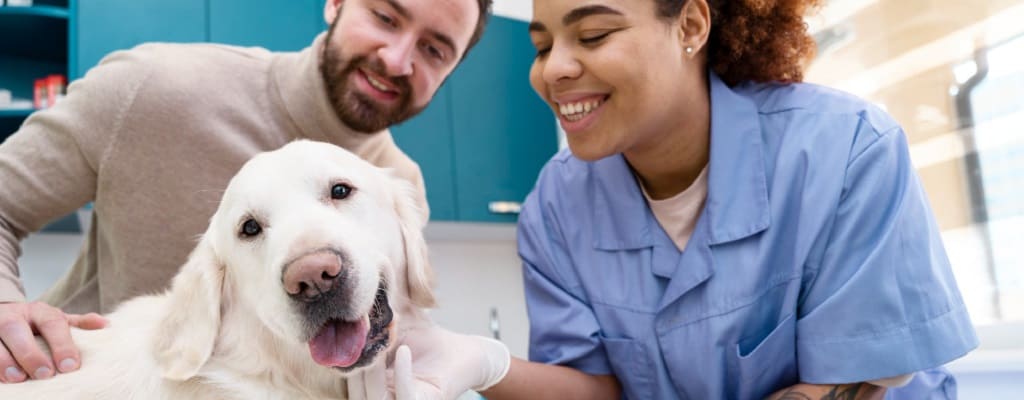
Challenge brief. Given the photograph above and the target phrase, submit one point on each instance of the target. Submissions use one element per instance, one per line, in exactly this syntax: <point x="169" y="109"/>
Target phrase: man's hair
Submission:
<point x="485" y="9"/>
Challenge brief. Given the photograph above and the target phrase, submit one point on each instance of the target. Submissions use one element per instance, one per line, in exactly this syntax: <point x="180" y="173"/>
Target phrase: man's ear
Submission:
<point x="331" y="10"/>
<point x="412" y="219"/>
<point x="186" y="333"/>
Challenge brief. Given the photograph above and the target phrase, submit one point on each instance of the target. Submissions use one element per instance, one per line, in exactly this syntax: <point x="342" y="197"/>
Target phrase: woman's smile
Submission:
<point x="579" y="113"/>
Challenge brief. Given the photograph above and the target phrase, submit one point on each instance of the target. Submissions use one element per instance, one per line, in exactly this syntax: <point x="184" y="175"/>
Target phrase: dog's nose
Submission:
<point x="312" y="274"/>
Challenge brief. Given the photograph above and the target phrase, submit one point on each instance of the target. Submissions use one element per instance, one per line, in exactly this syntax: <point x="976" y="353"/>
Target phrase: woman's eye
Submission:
<point x="543" y="51"/>
<point x="340" y="191"/>
<point x="250" y="228"/>
<point x="593" y="39"/>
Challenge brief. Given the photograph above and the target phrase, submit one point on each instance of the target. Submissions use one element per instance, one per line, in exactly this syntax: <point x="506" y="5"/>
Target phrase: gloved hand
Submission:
<point x="437" y="364"/>
<point x="370" y="384"/>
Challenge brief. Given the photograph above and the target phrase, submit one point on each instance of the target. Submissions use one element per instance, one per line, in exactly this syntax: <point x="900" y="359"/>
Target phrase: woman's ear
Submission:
<point x="186" y="333"/>
<point x="331" y="10"/>
<point x="694" y="26"/>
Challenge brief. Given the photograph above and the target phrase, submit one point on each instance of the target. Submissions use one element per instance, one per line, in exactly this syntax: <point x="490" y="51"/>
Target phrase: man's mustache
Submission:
<point x="377" y="67"/>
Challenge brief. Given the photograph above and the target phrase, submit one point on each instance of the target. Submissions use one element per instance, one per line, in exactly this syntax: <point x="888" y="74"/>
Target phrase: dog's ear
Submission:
<point x="187" y="331"/>
<point x="413" y="218"/>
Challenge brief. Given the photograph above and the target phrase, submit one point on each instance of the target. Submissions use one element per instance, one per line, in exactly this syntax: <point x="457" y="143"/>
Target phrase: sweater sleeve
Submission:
<point x="49" y="167"/>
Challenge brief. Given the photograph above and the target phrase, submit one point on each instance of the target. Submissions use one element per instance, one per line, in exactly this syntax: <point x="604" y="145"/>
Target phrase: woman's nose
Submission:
<point x="561" y="64"/>
<point x="397" y="56"/>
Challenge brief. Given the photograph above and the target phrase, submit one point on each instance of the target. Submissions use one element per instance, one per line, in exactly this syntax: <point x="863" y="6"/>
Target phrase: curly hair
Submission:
<point x="755" y="40"/>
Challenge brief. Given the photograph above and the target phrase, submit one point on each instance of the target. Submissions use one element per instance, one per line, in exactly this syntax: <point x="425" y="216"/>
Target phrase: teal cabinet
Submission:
<point x="278" y="25"/>
<point x="104" y="26"/>
<point x="34" y="43"/>
<point x="428" y="140"/>
<point x="486" y="135"/>
<point x="503" y="132"/>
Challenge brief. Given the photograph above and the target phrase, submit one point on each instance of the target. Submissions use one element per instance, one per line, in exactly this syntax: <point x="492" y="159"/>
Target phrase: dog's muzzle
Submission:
<point x="345" y="343"/>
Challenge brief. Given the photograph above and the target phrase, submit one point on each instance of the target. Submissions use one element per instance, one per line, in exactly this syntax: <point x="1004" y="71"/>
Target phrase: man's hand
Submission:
<point x="436" y="364"/>
<point x="20" y="322"/>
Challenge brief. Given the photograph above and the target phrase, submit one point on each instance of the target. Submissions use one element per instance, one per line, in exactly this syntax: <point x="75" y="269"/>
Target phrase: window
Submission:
<point x="952" y="73"/>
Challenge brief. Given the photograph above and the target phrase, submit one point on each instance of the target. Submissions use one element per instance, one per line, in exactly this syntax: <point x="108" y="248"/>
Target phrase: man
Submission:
<point x="152" y="136"/>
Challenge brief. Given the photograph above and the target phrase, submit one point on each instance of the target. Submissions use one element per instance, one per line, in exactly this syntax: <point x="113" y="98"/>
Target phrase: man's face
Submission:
<point x="383" y="60"/>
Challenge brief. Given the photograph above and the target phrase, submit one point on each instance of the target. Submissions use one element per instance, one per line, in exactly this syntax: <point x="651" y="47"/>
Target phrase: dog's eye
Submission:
<point x="340" y="191"/>
<point x="251" y="228"/>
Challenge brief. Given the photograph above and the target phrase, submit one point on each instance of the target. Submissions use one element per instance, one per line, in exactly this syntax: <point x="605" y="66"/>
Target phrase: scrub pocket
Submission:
<point x="762" y="364"/>
<point x="632" y="366"/>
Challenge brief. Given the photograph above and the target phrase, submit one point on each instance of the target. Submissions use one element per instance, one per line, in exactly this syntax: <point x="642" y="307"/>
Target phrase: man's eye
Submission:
<point x="434" y="52"/>
<point x="384" y="18"/>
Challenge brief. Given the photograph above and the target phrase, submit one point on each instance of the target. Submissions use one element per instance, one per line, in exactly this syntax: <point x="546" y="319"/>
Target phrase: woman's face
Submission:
<point x="615" y="74"/>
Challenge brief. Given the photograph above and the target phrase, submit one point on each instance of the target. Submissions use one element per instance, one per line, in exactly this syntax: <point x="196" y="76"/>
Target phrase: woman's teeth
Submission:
<point x="576" y="111"/>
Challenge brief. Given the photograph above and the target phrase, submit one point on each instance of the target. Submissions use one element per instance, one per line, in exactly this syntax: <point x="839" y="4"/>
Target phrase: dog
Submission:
<point x="308" y="266"/>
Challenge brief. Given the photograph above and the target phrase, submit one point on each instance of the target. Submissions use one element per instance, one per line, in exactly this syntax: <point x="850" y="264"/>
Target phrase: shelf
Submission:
<point x="16" y="112"/>
<point x="37" y="32"/>
<point x="39" y="11"/>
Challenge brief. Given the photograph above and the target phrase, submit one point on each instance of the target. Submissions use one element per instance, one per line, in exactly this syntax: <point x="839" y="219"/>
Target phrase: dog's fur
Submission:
<point x="227" y="329"/>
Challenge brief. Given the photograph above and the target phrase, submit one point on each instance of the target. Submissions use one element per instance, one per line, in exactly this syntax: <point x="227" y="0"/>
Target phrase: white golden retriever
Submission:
<point x="290" y="290"/>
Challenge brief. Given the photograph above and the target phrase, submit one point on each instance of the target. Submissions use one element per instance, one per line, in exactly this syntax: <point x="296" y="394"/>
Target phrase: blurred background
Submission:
<point x="952" y="73"/>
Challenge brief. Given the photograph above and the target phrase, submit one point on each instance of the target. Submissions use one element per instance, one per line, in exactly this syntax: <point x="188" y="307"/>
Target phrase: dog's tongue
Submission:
<point x="339" y="344"/>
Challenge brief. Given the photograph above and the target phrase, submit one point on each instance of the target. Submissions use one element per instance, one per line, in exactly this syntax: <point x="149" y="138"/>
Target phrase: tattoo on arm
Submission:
<point x="837" y="392"/>
<point x="793" y="394"/>
<point x="843" y="392"/>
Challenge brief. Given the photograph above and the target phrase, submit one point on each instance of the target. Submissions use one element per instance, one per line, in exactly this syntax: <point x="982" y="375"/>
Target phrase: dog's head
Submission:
<point x="318" y="245"/>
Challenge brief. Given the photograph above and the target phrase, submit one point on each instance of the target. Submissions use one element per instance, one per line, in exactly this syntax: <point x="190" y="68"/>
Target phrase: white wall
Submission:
<point x="478" y="269"/>
<point x="518" y="9"/>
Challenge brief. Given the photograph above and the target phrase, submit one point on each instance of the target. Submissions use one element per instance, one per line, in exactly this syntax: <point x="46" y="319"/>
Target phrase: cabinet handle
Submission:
<point x="504" y="207"/>
<point x="495" y="324"/>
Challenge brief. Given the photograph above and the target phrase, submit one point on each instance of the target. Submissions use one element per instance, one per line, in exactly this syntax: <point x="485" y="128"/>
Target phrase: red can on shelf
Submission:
<point x="47" y="91"/>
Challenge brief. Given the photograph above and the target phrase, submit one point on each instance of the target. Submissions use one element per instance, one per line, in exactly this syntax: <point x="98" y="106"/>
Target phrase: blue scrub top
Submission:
<point x="816" y="259"/>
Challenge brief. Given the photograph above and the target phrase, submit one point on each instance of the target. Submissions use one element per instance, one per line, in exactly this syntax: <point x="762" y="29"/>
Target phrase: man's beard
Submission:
<point x="355" y="109"/>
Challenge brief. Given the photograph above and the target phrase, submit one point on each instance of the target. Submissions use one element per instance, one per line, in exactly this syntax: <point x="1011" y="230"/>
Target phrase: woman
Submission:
<point x="718" y="230"/>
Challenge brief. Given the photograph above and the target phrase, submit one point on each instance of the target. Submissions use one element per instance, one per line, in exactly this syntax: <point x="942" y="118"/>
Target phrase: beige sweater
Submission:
<point x="152" y="136"/>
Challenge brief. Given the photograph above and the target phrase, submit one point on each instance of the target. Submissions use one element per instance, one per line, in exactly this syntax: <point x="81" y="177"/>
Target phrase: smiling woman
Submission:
<point x="717" y="229"/>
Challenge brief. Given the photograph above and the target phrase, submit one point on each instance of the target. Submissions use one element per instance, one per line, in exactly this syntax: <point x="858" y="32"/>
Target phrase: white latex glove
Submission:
<point x="443" y="364"/>
<point x="369" y="384"/>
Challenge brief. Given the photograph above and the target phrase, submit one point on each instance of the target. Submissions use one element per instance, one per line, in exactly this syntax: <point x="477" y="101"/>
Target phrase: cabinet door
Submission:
<point x="279" y="25"/>
<point x="427" y="139"/>
<point x="104" y="26"/>
<point x="503" y="132"/>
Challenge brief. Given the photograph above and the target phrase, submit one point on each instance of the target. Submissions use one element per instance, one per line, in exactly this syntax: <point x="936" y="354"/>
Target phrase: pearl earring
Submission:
<point x="689" y="50"/>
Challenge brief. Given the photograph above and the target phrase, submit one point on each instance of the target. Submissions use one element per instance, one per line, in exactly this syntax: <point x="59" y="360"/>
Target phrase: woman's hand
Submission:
<point x="447" y="364"/>
<point x="436" y="364"/>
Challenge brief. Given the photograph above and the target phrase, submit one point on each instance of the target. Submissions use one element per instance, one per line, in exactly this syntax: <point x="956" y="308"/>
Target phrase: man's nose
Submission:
<point x="397" y="56"/>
